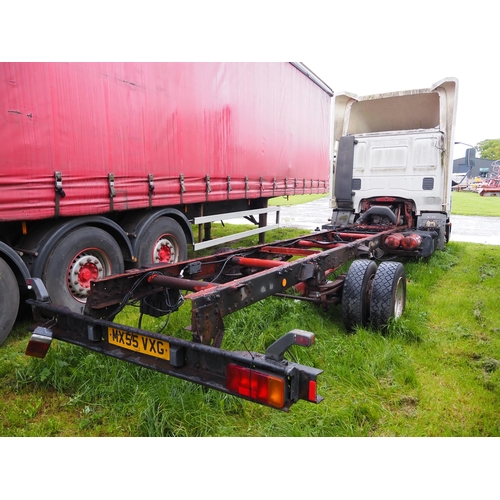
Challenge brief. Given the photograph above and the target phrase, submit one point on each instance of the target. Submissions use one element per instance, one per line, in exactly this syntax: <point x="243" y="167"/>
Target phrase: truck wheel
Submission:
<point x="85" y="254"/>
<point x="388" y="297"/>
<point x="356" y="293"/>
<point x="162" y="241"/>
<point x="9" y="299"/>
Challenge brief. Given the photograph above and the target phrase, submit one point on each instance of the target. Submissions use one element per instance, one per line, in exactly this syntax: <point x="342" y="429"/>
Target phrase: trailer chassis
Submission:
<point x="217" y="286"/>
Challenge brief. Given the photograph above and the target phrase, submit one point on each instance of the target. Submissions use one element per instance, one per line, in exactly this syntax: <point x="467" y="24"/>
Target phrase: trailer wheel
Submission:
<point x="85" y="254"/>
<point x="388" y="297"/>
<point x="356" y="293"/>
<point x="162" y="241"/>
<point x="9" y="299"/>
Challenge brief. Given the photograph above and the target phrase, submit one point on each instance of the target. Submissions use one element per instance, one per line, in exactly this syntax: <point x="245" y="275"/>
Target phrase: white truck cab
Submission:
<point x="393" y="158"/>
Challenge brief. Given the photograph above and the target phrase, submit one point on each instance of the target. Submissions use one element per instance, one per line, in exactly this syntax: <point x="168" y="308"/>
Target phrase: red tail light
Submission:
<point x="261" y="387"/>
<point x="393" y="241"/>
<point x="411" y="242"/>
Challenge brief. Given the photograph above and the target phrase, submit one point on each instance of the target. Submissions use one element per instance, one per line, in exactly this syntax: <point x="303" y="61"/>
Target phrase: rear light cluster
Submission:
<point x="405" y="241"/>
<point x="39" y="342"/>
<point x="259" y="386"/>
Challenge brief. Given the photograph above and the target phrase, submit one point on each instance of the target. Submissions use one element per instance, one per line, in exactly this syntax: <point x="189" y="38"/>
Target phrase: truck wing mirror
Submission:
<point x="470" y="157"/>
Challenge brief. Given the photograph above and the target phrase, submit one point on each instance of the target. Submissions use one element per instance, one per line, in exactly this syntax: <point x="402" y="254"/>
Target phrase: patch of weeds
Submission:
<point x="445" y="260"/>
<point x="32" y="408"/>
<point x="486" y="271"/>
<point x="358" y="417"/>
<point x="90" y="418"/>
<point x="491" y="374"/>
<point x="460" y="331"/>
<point x="406" y="329"/>
<point x="9" y="362"/>
<point x="490" y="365"/>
<point x="408" y="405"/>
<point x="161" y="418"/>
<point x="478" y="311"/>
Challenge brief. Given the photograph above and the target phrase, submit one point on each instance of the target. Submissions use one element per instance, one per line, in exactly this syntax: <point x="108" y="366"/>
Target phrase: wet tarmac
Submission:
<point x="312" y="215"/>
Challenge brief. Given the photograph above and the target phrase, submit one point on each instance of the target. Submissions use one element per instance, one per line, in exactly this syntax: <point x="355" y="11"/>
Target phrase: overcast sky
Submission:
<point x="362" y="47"/>
<point x="414" y="50"/>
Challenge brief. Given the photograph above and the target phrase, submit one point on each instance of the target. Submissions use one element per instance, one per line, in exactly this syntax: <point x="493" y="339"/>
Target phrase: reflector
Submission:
<point x="312" y="390"/>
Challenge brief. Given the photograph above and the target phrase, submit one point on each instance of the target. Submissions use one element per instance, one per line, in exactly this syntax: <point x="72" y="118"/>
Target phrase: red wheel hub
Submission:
<point x="165" y="249"/>
<point x="90" y="264"/>
<point x="87" y="273"/>
<point x="164" y="253"/>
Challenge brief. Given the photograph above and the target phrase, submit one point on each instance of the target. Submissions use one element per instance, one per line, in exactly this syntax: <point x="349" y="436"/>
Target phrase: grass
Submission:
<point x="296" y="199"/>
<point x="470" y="203"/>
<point x="435" y="372"/>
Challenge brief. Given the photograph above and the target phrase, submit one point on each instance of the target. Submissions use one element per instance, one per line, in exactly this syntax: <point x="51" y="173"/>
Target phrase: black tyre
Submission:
<point x="9" y="300"/>
<point x="388" y="296"/>
<point x="162" y="241"/>
<point x="356" y="293"/>
<point x="85" y="254"/>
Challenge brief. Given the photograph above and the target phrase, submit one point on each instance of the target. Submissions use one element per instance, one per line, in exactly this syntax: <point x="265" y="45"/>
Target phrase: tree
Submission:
<point x="489" y="149"/>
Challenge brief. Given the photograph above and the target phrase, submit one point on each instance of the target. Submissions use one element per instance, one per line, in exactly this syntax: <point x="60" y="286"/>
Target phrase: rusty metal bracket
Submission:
<point x="112" y="190"/>
<point x="182" y="186"/>
<point x="58" y="186"/>
<point x="207" y="325"/>
<point x="307" y="271"/>
<point x="151" y="189"/>
<point x="208" y="188"/>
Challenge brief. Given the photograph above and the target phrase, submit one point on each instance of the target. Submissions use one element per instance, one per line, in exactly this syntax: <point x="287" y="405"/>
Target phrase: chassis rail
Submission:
<point x="219" y="285"/>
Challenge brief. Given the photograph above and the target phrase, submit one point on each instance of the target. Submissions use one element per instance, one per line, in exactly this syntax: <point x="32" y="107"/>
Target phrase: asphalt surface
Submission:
<point x="311" y="215"/>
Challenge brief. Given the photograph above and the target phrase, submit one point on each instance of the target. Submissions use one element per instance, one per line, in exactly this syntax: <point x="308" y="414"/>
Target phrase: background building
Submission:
<point x="481" y="169"/>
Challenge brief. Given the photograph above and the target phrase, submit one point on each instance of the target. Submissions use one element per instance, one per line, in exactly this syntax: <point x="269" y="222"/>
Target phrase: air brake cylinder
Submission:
<point x="421" y="242"/>
<point x="411" y="242"/>
<point x="393" y="241"/>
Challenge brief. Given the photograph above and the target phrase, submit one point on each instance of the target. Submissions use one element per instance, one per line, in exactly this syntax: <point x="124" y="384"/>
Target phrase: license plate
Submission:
<point x="139" y="343"/>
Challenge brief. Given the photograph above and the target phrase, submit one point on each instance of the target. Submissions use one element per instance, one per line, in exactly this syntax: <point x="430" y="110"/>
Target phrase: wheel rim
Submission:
<point x="91" y="264"/>
<point x="399" y="299"/>
<point x="165" y="250"/>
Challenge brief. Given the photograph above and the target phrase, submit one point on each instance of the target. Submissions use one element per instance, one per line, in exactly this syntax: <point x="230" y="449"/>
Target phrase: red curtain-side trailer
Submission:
<point x="106" y="166"/>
